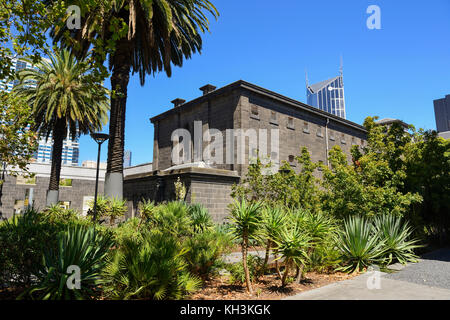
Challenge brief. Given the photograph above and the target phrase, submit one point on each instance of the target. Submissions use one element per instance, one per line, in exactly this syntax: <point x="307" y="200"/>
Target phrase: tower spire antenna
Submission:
<point x="341" y="68"/>
<point x="306" y="78"/>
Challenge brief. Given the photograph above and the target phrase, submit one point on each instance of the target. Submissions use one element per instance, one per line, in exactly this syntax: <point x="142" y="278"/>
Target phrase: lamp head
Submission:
<point x="100" y="137"/>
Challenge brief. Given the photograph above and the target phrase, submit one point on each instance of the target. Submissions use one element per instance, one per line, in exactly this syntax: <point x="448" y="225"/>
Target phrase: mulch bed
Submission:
<point x="268" y="287"/>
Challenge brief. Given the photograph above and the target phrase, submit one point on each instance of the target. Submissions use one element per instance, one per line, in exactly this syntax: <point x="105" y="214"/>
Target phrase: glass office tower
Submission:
<point x="328" y="96"/>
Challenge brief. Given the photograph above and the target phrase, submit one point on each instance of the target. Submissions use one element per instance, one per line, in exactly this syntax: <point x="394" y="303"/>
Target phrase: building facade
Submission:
<point x="328" y="96"/>
<point x="237" y="112"/>
<point x="442" y="116"/>
<point x="127" y="159"/>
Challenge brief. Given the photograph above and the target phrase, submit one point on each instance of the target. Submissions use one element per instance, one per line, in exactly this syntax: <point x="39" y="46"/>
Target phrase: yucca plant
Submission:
<point x="396" y="234"/>
<point x="152" y="269"/>
<point x="273" y="221"/>
<point x="116" y="209"/>
<point x="360" y="245"/>
<point x="292" y="246"/>
<point x="245" y="221"/>
<point x="319" y="227"/>
<point x="78" y="246"/>
<point x="201" y="219"/>
<point x="146" y="209"/>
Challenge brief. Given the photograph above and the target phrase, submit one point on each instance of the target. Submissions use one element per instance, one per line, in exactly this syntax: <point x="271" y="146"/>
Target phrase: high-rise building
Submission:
<point x="127" y="159"/>
<point x="328" y="95"/>
<point x="71" y="148"/>
<point x="442" y="115"/>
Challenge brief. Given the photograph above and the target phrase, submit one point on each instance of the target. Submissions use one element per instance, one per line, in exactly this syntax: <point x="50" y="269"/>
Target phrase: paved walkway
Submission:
<point x="429" y="279"/>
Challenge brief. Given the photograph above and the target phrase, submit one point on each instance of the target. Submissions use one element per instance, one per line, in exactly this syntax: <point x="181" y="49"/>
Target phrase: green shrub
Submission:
<point x="152" y="269"/>
<point x="237" y="273"/>
<point x="77" y="246"/>
<point x="23" y="239"/>
<point x="112" y="208"/>
<point x="132" y="229"/>
<point x="396" y="236"/>
<point x="146" y="209"/>
<point x="360" y="245"/>
<point x="173" y="218"/>
<point x="201" y="219"/>
<point x="204" y="251"/>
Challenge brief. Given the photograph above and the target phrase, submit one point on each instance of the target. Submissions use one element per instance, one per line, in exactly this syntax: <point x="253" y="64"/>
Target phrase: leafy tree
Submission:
<point x="428" y="174"/>
<point x="245" y="218"/>
<point x="369" y="186"/>
<point x="139" y="36"/>
<point x="64" y="99"/>
<point x="17" y="143"/>
<point x="286" y="188"/>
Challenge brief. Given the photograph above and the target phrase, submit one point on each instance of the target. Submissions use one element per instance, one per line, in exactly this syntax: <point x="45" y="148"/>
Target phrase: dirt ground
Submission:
<point x="268" y="287"/>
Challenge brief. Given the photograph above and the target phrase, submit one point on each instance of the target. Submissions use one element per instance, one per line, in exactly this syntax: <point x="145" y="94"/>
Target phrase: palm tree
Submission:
<point x="246" y="219"/>
<point x="64" y="99"/>
<point x="159" y="33"/>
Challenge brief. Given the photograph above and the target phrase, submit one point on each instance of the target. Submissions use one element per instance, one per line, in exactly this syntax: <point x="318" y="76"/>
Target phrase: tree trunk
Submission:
<point x="286" y="272"/>
<point x="266" y="258"/>
<point x="244" y="261"/>
<point x="59" y="134"/>
<point x="277" y="267"/>
<point x="121" y="66"/>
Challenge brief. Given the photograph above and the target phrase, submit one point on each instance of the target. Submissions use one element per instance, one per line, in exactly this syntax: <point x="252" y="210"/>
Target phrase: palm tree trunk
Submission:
<point x="244" y="261"/>
<point x="266" y="258"/>
<point x="59" y="134"/>
<point x="121" y="66"/>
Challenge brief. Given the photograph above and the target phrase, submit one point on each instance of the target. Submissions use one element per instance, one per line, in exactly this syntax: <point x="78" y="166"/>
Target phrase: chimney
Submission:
<point x="178" y="102"/>
<point x="207" y="89"/>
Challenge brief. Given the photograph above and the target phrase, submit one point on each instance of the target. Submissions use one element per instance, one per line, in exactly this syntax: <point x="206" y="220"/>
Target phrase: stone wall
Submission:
<point x="12" y="192"/>
<point x="209" y="187"/>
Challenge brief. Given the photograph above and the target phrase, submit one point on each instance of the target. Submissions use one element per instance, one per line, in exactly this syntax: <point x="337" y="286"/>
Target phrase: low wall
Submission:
<point x="209" y="187"/>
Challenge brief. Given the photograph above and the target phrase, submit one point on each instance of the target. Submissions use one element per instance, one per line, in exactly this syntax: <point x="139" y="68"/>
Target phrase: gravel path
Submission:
<point x="433" y="270"/>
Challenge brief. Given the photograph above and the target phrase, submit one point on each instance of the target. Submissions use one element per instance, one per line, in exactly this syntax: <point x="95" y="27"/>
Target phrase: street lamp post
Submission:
<point x="99" y="138"/>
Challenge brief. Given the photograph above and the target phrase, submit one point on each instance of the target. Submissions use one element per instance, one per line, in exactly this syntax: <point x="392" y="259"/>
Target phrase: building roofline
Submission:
<point x="241" y="84"/>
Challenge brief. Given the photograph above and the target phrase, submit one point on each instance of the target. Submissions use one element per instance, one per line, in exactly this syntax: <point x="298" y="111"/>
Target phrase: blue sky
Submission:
<point x="394" y="72"/>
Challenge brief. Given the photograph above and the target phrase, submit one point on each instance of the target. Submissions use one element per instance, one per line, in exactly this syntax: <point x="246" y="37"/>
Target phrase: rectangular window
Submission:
<point x="254" y="112"/>
<point x="319" y="132"/>
<point x="343" y="139"/>
<point x="25" y="180"/>
<point x="65" y="182"/>
<point x="290" y="123"/>
<point x="305" y="127"/>
<point x="273" y="118"/>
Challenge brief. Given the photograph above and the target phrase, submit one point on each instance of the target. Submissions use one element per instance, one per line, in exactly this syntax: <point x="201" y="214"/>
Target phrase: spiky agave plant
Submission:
<point x="78" y="246"/>
<point x="152" y="269"/>
<point x="397" y="239"/>
<point x="360" y="245"/>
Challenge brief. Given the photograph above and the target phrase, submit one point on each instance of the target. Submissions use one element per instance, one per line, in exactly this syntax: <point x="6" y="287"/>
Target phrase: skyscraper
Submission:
<point x="442" y="114"/>
<point x="127" y="159"/>
<point x="71" y="148"/>
<point x="328" y="95"/>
